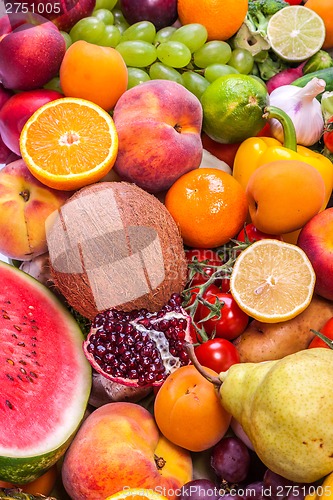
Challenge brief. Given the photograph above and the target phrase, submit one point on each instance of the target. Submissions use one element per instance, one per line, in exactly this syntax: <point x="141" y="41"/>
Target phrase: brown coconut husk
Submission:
<point x="113" y="245"/>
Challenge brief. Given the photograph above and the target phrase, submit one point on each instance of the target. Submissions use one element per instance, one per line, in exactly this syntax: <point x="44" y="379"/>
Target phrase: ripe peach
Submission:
<point x="119" y="446"/>
<point x="158" y="124"/>
<point x="26" y="203"/>
<point x="283" y="195"/>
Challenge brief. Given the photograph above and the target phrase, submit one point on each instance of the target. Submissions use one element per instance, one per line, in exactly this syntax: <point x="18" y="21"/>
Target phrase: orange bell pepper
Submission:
<point x="257" y="151"/>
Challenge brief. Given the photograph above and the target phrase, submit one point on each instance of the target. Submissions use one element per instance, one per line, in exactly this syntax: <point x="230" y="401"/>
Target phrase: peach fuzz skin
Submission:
<point x="118" y="446"/>
<point x="27" y="203"/>
<point x="159" y="128"/>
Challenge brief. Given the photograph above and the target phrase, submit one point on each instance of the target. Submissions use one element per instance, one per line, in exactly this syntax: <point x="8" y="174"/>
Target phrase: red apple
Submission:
<point x="31" y="53"/>
<point x="16" y="111"/>
<point x="315" y="239"/>
<point x="63" y="13"/>
<point x="158" y="124"/>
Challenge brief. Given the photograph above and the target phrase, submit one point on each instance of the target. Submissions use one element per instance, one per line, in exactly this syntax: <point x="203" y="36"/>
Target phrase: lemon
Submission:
<point x="272" y="281"/>
<point x="296" y="33"/>
<point x="233" y="107"/>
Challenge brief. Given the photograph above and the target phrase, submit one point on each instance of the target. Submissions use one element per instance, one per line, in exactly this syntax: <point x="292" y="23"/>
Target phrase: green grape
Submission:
<point x="214" y="52"/>
<point x="213" y="71"/>
<point x="159" y="71"/>
<point x="192" y="35"/>
<point x="174" y="54"/>
<point x="143" y="30"/>
<point x="67" y="38"/>
<point x="195" y="83"/>
<point x="54" y="84"/>
<point x="136" y="76"/>
<point x="110" y="38"/>
<point x="105" y="4"/>
<point x="119" y="20"/>
<point x="164" y="34"/>
<point x="242" y="60"/>
<point x="137" y="53"/>
<point x="89" y="29"/>
<point x="104" y="15"/>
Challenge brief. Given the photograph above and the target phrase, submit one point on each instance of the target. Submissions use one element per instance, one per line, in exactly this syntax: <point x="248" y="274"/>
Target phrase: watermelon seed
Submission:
<point x="10" y="361"/>
<point x="9" y="404"/>
<point x="22" y="370"/>
<point x="9" y="377"/>
<point x="5" y="315"/>
<point x="21" y="344"/>
<point x="18" y="328"/>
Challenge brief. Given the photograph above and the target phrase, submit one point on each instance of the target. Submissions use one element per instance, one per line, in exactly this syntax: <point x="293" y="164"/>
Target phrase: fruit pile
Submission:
<point x="165" y="233"/>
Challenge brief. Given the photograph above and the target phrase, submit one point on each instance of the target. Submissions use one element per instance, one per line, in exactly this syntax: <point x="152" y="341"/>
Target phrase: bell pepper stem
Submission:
<point x="289" y="131"/>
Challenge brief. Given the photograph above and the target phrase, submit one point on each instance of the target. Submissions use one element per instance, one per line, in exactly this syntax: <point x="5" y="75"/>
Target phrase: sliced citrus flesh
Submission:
<point x="136" y="494"/>
<point x="272" y="280"/>
<point x="296" y="33"/>
<point x="69" y="143"/>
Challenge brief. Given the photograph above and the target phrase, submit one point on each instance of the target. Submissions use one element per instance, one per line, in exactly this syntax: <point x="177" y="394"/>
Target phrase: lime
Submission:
<point x="233" y="107"/>
<point x="296" y="33"/>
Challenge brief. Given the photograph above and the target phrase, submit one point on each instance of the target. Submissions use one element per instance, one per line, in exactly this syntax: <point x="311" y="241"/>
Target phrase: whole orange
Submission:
<point x="324" y="8"/>
<point x="209" y="207"/>
<point x="188" y="410"/>
<point x="221" y="18"/>
<point x="283" y="195"/>
<point x="98" y="74"/>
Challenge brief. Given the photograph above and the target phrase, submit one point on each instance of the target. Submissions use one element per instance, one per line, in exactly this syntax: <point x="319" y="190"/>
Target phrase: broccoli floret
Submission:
<point x="270" y="66"/>
<point x="259" y="13"/>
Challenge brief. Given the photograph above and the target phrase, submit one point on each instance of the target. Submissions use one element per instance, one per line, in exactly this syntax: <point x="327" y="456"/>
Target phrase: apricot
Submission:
<point x="188" y="410"/>
<point x="93" y="72"/>
<point x="284" y="195"/>
<point x="119" y="446"/>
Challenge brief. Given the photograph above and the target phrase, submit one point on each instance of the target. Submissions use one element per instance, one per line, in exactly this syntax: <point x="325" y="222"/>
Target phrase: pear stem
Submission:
<point x="190" y="350"/>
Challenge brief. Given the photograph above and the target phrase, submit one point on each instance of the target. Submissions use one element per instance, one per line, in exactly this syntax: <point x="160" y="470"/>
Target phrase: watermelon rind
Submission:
<point x="20" y="461"/>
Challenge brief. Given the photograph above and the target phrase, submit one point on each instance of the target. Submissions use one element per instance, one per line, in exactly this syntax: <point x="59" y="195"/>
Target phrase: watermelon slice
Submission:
<point x="45" y="379"/>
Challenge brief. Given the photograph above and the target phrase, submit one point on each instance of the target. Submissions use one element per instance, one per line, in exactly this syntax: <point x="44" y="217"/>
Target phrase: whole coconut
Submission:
<point x="113" y="245"/>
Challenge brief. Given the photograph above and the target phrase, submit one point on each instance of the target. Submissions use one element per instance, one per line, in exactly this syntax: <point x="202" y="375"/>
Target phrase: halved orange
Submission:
<point x="136" y="494"/>
<point x="272" y="280"/>
<point x="69" y="143"/>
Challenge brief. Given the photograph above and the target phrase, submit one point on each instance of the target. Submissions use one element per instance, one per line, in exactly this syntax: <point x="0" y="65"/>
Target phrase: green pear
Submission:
<point x="286" y="408"/>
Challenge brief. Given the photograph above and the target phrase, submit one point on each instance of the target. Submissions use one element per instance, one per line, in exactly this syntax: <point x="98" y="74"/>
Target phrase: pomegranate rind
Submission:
<point x="45" y="377"/>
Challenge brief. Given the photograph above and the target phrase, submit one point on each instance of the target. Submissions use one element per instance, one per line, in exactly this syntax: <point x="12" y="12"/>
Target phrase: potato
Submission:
<point x="265" y="341"/>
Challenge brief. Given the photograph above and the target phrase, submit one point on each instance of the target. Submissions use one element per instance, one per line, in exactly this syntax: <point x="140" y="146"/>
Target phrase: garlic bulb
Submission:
<point x="303" y="108"/>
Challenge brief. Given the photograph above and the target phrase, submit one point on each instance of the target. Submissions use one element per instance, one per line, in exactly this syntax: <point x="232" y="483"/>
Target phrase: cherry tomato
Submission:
<point x="253" y="234"/>
<point x="265" y="131"/>
<point x="326" y="330"/>
<point x="217" y="354"/>
<point x="328" y="135"/>
<point x="225" y="152"/>
<point x="232" y="322"/>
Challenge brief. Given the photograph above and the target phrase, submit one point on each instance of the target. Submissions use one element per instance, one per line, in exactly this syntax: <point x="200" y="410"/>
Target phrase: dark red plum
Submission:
<point x="161" y="13"/>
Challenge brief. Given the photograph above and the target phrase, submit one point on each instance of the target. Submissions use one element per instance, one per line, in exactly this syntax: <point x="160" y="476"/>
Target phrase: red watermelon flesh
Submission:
<point x="45" y="379"/>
